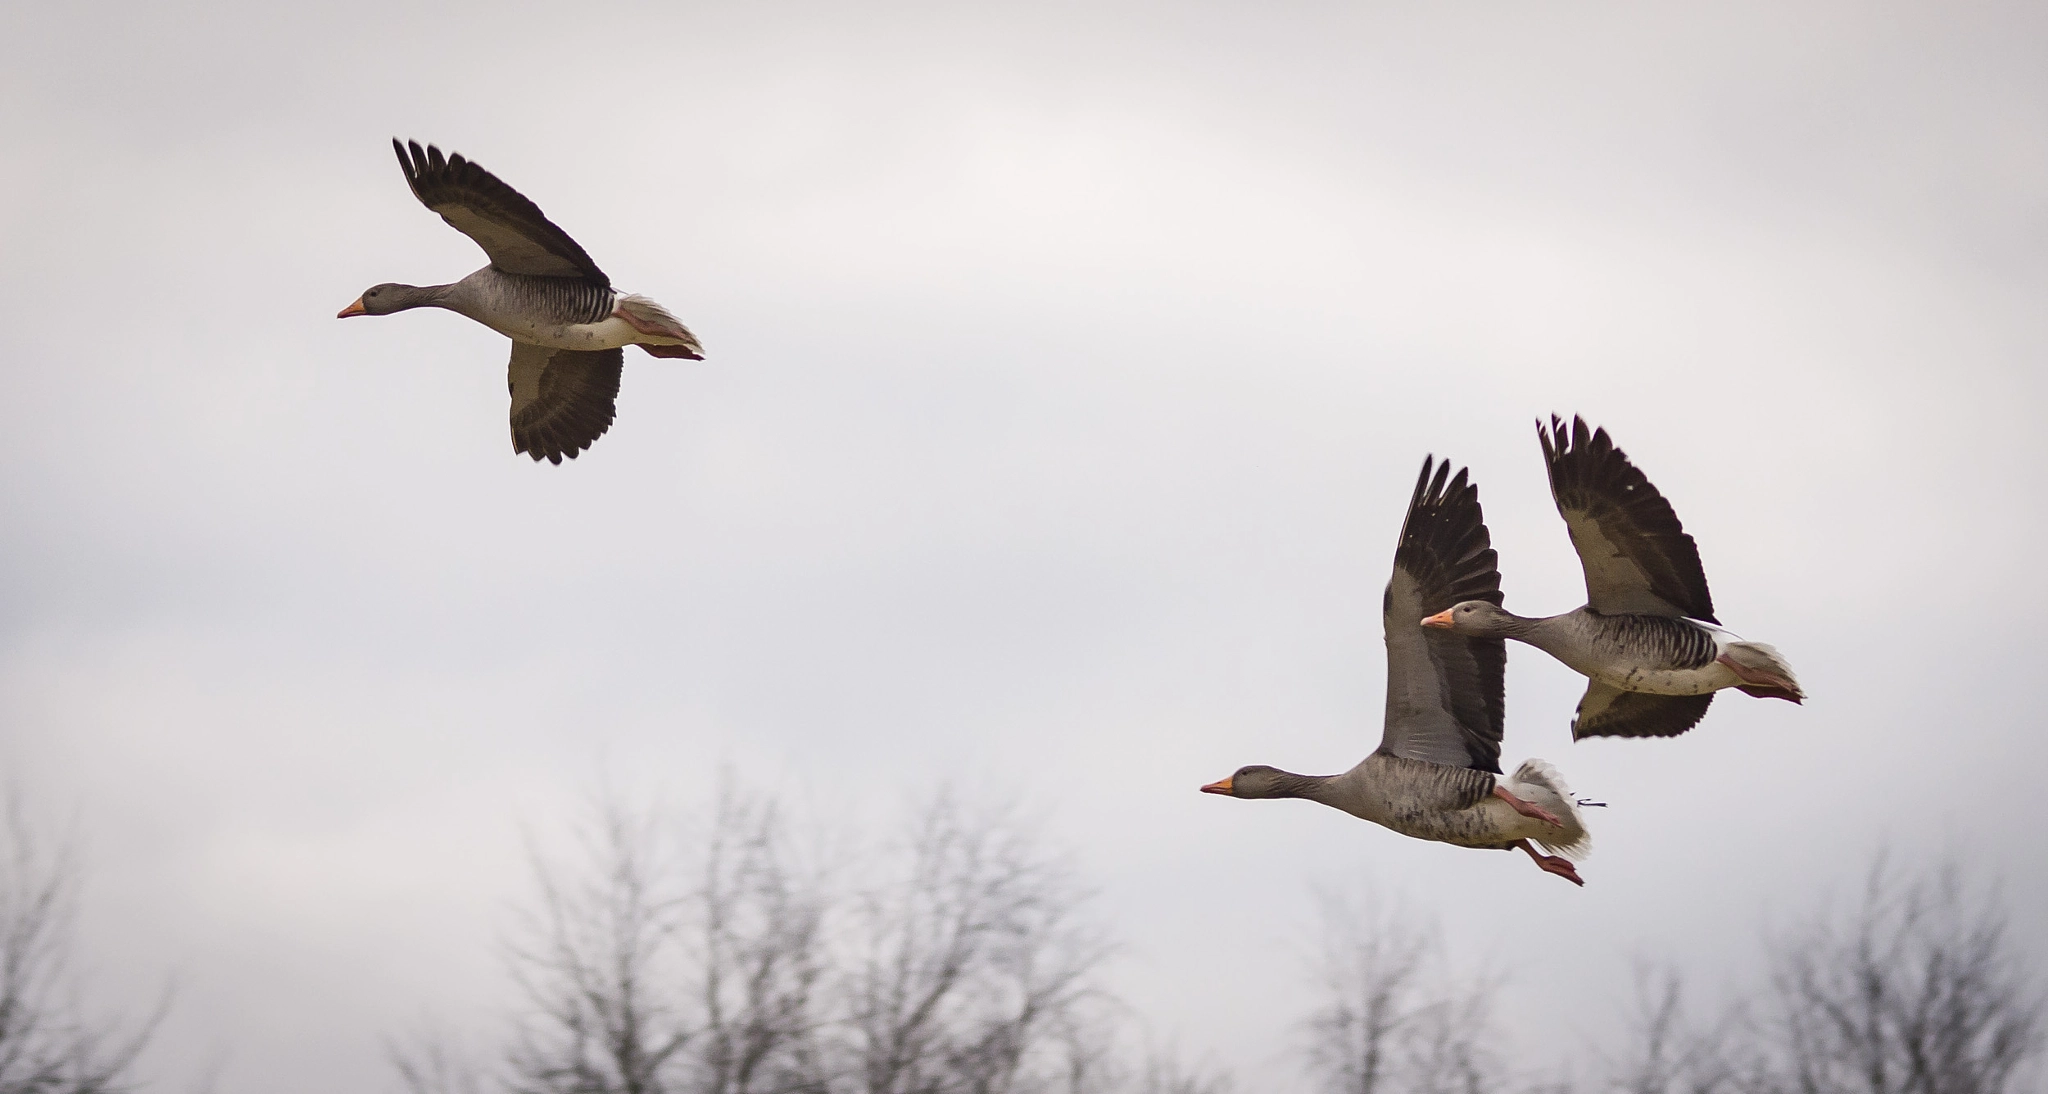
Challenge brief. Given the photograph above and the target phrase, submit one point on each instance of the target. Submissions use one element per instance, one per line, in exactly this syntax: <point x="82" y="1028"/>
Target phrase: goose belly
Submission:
<point x="610" y="332"/>
<point x="1712" y="676"/>
<point x="1490" y="824"/>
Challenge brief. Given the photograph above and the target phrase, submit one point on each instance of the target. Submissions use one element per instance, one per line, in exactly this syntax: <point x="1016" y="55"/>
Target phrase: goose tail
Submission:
<point x="651" y="318"/>
<point x="1538" y="782"/>
<point x="1763" y="670"/>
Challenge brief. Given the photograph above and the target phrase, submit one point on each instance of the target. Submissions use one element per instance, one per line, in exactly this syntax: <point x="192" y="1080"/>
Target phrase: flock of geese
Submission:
<point x="1646" y="639"/>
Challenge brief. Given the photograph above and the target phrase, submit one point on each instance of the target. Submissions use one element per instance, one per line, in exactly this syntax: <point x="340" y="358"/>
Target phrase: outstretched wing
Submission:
<point x="562" y="399"/>
<point x="1445" y="698"/>
<point x="1608" y="712"/>
<point x="508" y="227"/>
<point x="1637" y="557"/>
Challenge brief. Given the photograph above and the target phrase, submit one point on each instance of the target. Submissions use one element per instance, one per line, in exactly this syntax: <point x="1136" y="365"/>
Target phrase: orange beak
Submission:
<point x="1220" y="786"/>
<point x="353" y="309"/>
<point x="1441" y="620"/>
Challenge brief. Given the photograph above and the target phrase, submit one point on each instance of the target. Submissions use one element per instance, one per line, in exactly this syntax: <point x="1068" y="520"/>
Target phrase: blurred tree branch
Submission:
<point x="1392" y="1018"/>
<point x="1918" y="992"/>
<point x="957" y="965"/>
<point x="47" y="1046"/>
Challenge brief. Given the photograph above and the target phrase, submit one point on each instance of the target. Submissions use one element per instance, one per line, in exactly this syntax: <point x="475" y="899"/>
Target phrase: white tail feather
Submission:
<point x="1539" y="783"/>
<point x="654" y="315"/>
<point x="1760" y="655"/>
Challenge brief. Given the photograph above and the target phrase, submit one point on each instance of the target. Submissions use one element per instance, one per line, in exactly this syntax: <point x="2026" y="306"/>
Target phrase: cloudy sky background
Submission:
<point x="1069" y="368"/>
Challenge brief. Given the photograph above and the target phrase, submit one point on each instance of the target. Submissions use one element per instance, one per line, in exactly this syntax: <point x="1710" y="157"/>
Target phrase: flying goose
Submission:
<point x="566" y="322"/>
<point x="1433" y="776"/>
<point x="1647" y="639"/>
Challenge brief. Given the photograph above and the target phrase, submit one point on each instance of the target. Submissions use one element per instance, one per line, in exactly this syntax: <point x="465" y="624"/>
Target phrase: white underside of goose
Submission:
<point x="634" y="321"/>
<point x="1737" y="661"/>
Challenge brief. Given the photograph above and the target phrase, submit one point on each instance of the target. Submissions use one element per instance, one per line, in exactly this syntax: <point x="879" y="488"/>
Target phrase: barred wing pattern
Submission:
<point x="511" y="230"/>
<point x="1637" y="557"/>
<point x="1445" y="692"/>
<point x="563" y="400"/>
<point x="1608" y="712"/>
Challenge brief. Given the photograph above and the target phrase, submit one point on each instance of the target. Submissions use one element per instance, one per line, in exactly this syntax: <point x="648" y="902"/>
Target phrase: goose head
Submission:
<point x="1257" y="781"/>
<point x="1475" y="617"/>
<point x="389" y="297"/>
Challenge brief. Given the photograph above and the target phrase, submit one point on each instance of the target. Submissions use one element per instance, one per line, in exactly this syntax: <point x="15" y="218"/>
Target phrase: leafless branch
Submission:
<point x="1917" y="993"/>
<point x="1392" y="1017"/>
<point x="47" y="1045"/>
<point x="652" y="965"/>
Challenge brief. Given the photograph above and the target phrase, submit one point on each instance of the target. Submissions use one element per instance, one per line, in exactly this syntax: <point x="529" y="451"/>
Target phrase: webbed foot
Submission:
<point x="1527" y="809"/>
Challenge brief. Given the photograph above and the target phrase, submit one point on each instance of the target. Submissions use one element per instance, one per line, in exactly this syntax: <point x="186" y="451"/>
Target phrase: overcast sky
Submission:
<point x="1069" y="367"/>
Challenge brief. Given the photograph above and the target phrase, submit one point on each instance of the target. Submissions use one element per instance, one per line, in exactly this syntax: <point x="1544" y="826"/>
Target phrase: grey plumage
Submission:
<point x="542" y="290"/>
<point x="1445" y="701"/>
<point x="1646" y="639"/>
<point x="1433" y="776"/>
<point x="562" y="399"/>
<point x="511" y="229"/>
<point x="1606" y="712"/>
<point x="1636" y="555"/>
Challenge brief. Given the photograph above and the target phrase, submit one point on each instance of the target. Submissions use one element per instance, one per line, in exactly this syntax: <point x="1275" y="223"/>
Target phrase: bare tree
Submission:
<point x="1164" y="1072"/>
<point x="588" y="965"/>
<point x="1917" y="993"/>
<point x="47" y="1046"/>
<point x="761" y="957"/>
<point x="654" y="966"/>
<point x="971" y="974"/>
<point x="1667" y="1053"/>
<point x="650" y="974"/>
<point x="1393" y="1020"/>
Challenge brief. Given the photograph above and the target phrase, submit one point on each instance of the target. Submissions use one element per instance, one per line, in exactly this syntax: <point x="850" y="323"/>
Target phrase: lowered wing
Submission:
<point x="562" y="399"/>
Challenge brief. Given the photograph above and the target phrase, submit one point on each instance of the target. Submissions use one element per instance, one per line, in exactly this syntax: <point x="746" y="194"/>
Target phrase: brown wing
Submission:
<point x="562" y="399"/>
<point x="508" y="227"/>
<point x="1637" y="557"/>
<point x="1607" y="712"/>
<point x="1445" y="692"/>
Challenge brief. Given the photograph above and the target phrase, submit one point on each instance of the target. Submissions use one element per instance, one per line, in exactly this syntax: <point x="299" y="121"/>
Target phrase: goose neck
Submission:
<point x="1546" y="633"/>
<point x="1288" y="784"/>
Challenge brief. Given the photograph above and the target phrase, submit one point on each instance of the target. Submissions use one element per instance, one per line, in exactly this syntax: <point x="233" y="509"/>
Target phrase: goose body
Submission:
<point x="566" y="321"/>
<point x="1646" y="640"/>
<point x="1429" y="802"/>
<point x="1653" y="654"/>
<point x="1435" y="775"/>
<point x="554" y="312"/>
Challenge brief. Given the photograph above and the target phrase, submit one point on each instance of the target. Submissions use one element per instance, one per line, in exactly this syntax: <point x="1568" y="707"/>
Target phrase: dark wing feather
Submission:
<point x="562" y="399"/>
<point x="1608" y="712"/>
<point x="508" y="227"/>
<point x="1444" y="691"/>
<point x="1637" y="557"/>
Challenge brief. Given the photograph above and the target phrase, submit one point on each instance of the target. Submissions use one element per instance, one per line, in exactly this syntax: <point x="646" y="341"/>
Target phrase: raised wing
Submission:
<point x="1607" y="712"/>
<point x="508" y="227"/>
<point x="1445" y="698"/>
<point x="562" y="399"/>
<point x="1637" y="556"/>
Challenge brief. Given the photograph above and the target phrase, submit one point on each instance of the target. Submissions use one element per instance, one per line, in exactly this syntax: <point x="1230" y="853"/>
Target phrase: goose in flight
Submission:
<point x="1434" y="776"/>
<point x="1646" y="640"/>
<point x="567" y="324"/>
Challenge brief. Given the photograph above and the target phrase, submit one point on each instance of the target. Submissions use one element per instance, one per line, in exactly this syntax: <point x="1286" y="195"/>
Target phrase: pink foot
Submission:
<point x="1527" y="809"/>
<point x="642" y="325"/>
<point x="1552" y="864"/>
